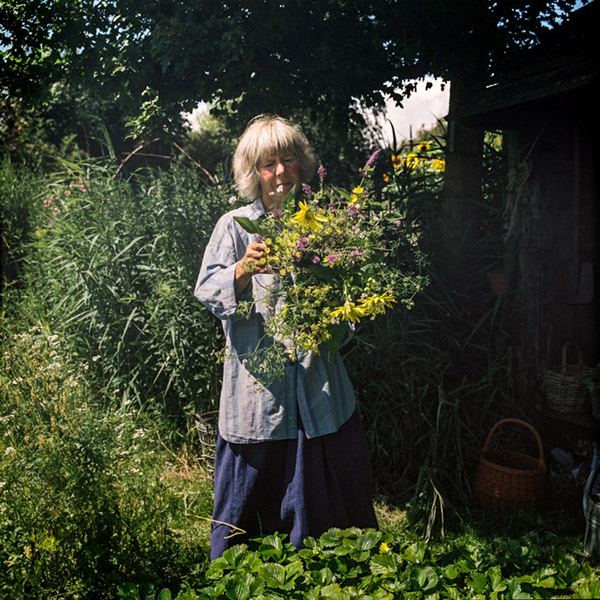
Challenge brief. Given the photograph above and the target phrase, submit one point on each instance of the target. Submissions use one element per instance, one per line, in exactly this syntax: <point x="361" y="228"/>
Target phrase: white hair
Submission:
<point x="266" y="135"/>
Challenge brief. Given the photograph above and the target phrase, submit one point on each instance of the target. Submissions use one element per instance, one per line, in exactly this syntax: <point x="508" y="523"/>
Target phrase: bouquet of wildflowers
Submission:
<point x="330" y="249"/>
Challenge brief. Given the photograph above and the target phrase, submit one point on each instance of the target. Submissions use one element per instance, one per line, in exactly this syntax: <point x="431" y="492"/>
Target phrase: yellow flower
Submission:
<point x="376" y="305"/>
<point x="386" y="177"/>
<point x="412" y="161"/>
<point x="439" y="164"/>
<point x="396" y="161"/>
<point x="349" y="312"/>
<point x="356" y="193"/>
<point x="423" y="147"/>
<point x="307" y="218"/>
<point x="384" y="548"/>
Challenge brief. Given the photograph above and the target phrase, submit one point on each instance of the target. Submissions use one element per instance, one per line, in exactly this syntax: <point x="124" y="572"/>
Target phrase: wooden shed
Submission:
<point x="546" y="105"/>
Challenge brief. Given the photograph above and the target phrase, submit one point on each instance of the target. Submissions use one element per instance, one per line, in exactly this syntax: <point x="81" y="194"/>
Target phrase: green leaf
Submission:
<point x="415" y="553"/>
<point x="368" y="539"/>
<point x="514" y="591"/>
<point x="427" y="579"/>
<point x="239" y="587"/>
<point x="288" y="204"/>
<point x="250" y="225"/>
<point x="273" y="574"/>
<point x="327" y="274"/>
<point x="497" y="582"/>
<point x="478" y="581"/>
<point x="450" y="572"/>
<point x="384" y="564"/>
<point x="164" y="595"/>
<point x="452" y="593"/>
<point x="338" y="333"/>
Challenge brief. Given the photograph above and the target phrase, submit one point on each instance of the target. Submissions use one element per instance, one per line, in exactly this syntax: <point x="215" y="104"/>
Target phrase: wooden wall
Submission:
<point x="555" y="206"/>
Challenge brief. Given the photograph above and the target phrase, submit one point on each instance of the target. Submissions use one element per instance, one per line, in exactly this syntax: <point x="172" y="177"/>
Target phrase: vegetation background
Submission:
<point x="110" y="370"/>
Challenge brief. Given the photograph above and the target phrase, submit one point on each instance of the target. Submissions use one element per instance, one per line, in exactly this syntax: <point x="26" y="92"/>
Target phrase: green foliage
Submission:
<point x="84" y="505"/>
<point x="446" y="370"/>
<point x="19" y="207"/>
<point x="372" y="565"/>
<point x="113" y="270"/>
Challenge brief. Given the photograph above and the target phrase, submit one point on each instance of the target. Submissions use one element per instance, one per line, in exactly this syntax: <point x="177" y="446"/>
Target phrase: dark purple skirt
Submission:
<point x="301" y="487"/>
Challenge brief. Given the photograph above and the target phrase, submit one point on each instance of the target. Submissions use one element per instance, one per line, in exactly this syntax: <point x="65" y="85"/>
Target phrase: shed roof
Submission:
<point x="563" y="61"/>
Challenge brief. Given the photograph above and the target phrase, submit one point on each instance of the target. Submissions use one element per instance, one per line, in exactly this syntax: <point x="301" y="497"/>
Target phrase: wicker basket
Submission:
<point x="508" y="481"/>
<point x="565" y="386"/>
<point x="207" y="428"/>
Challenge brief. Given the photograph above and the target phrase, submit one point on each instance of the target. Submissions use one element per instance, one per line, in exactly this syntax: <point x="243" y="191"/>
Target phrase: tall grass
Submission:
<point x="433" y="380"/>
<point x="112" y="268"/>
<point x="87" y="500"/>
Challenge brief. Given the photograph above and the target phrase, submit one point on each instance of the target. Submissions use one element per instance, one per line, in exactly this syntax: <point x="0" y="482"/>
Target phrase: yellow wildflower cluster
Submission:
<point x="419" y="157"/>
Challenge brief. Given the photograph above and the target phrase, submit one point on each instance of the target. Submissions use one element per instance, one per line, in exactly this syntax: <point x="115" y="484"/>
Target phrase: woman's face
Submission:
<point x="278" y="174"/>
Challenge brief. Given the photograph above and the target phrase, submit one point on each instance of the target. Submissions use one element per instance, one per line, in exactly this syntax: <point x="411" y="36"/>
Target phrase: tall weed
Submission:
<point x="432" y="380"/>
<point x="83" y="503"/>
<point x="113" y="268"/>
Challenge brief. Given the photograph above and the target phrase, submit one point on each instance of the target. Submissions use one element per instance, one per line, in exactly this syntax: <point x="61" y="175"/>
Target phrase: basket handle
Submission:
<point x="542" y="460"/>
<point x="564" y="356"/>
<point x="588" y="487"/>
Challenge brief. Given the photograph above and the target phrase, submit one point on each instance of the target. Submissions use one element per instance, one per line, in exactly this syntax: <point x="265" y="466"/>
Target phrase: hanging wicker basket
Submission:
<point x="508" y="481"/>
<point x="566" y="386"/>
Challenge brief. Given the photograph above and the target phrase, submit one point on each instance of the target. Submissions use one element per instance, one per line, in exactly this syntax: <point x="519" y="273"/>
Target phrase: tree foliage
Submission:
<point x="315" y="56"/>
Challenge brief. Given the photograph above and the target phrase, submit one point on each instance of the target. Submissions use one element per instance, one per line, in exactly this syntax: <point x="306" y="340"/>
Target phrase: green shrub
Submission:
<point x="113" y="270"/>
<point x="372" y="565"/>
<point x="21" y="197"/>
<point x="83" y="504"/>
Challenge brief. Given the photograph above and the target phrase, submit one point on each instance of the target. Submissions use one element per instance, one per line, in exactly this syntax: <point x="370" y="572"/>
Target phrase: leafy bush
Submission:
<point x="113" y="270"/>
<point x="20" y="200"/>
<point x="431" y="380"/>
<point x="371" y="565"/>
<point x="83" y="504"/>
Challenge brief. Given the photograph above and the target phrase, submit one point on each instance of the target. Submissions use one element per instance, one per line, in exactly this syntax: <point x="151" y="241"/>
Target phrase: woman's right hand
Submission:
<point x="252" y="262"/>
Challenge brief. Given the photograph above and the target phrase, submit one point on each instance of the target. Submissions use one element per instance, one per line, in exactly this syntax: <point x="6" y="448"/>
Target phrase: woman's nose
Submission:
<point x="280" y="168"/>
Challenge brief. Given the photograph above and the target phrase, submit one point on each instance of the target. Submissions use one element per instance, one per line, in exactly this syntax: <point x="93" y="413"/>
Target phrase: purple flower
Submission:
<point x="278" y="212"/>
<point x="302" y="242"/>
<point x="321" y="172"/>
<point x="331" y="206"/>
<point x="353" y="211"/>
<point x="260" y="239"/>
<point x="306" y="188"/>
<point x="315" y="260"/>
<point x="372" y="159"/>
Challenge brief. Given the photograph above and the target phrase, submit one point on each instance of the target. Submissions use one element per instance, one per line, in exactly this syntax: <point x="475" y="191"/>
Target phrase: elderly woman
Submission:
<point x="292" y="456"/>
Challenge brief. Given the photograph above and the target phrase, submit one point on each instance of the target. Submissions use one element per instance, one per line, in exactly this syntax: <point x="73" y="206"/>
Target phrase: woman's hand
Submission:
<point x="253" y="262"/>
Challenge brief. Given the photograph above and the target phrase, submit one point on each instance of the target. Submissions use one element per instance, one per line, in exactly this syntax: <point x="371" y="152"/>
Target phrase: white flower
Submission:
<point x="95" y="358"/>
<point x="232" y="200"/>
<point x="9" y="450"/>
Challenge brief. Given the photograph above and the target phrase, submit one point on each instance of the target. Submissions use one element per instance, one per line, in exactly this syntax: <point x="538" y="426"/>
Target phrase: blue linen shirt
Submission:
<point x="316" y="388"/>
